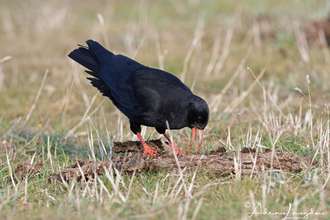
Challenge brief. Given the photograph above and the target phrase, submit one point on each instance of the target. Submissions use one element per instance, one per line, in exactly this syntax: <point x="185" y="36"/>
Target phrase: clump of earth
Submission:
<point x="216" y="163"/>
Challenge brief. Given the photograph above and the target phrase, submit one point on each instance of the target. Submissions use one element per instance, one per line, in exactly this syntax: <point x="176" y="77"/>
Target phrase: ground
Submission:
<point x="262" y="66"/>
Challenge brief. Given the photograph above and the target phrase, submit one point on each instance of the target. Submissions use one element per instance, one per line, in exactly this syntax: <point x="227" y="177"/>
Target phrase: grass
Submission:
<point x="204" y="42"/>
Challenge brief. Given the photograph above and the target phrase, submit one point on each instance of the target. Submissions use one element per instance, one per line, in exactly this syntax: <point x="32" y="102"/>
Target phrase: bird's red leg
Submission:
<point x="200" y="138"/>
<point x="147" y="149"/>
<point x="193" y="135"/>
<point x="175" y="148"/>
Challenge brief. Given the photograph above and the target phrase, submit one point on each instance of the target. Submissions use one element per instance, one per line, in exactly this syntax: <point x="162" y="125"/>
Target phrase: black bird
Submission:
<point x="147" y="96"/>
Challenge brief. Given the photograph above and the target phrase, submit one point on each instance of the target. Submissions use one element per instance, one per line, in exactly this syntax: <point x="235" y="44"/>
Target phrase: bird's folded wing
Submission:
<point x="115" y="75"/>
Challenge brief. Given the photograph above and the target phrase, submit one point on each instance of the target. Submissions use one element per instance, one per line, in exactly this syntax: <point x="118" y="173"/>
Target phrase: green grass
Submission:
<point x="38" y="35"/>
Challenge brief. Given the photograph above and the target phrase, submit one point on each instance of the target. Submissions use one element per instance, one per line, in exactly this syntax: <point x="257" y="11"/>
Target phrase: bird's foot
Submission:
<point x="175" y="149"/>
<point x="188" y="149"/>
<point x="148" y="150"/>
<point x="173" y="146"/>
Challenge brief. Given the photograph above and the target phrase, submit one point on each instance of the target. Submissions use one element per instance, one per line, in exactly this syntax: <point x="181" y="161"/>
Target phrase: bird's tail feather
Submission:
<point x="93" y="57"/>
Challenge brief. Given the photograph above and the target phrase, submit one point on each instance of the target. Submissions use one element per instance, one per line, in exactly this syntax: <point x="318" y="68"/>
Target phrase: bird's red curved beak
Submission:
<point x="200" y="138"/>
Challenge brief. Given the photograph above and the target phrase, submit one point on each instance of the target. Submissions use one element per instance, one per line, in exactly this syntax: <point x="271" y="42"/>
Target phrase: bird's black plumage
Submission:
<point x="147" y="96"/>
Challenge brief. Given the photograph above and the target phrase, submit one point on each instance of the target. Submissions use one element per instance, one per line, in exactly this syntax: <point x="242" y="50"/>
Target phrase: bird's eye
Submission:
<point x="199" y="118"/>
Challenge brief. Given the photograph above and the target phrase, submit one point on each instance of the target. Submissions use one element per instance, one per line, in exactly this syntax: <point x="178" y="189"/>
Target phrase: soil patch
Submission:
<point x="25" y="170"/>
<point x="312" y="31"/>
<point x="136" y="146"/>
<point x="216" y="163"/>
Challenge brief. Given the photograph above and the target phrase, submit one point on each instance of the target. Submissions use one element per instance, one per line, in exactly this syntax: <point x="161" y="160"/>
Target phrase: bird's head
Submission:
<point x="198" y="117"/>
<point x="198" y="113"/>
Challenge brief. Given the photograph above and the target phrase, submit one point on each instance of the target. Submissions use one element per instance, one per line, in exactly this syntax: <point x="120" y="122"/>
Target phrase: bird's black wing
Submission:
<point x="111" y="73"/>
<point x="161" y="86"/>
<point x="115" y="76"/>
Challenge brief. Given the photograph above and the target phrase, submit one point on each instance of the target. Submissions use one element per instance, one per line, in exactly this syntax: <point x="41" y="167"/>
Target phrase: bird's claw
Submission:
<point x="149" y="151"/>
<point x="175" y="149"/>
